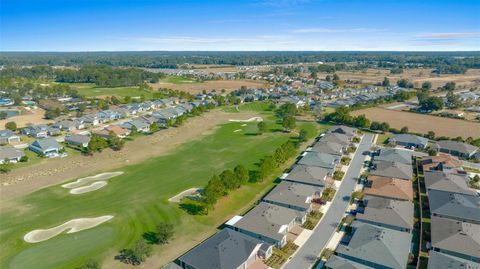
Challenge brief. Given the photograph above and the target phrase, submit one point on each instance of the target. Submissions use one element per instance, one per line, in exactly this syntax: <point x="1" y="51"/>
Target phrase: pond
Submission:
<point x="10" y="113"/>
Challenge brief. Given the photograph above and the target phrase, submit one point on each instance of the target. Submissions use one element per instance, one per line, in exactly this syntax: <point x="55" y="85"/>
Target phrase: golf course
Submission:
<point x="137" y="199"/>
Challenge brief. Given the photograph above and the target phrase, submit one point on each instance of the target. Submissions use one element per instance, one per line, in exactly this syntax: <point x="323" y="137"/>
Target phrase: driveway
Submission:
<point x="307" y="255"/>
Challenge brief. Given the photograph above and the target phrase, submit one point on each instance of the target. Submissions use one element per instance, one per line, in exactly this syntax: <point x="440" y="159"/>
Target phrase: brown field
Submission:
<point x="34" y="116"/>
<point x="417" y="75"/>
<point x="228" y="85"/>
<point x="419" y="123"/>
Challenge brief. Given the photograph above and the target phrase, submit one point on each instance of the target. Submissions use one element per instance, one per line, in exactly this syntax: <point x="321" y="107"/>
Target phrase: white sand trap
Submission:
<point x="72" y="226"/>
<point x="85" y="180"/>
<point x="243" y="125"/>
<point x="92" y="187"/>
<point x="249" y="120"/>
<point x="178" y="197"/>
<point x="238" y="130"/>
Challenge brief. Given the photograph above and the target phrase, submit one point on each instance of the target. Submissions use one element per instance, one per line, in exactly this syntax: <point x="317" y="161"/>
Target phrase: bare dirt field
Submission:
<point x="228" y="85"/>
<point x="416" y="75"/>
<point x="422" y="123"/>
<point x="28" y="179"/>
<point x="34" y="116"/>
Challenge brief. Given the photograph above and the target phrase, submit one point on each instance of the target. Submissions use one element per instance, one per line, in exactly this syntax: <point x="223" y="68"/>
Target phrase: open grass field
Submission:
<point x="138" y="201"/>
<point x="420" y="123"/>
<point x="92" y="91"/>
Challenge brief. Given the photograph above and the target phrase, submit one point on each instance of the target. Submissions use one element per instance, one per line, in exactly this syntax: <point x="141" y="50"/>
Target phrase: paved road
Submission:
<point x="308" y="253"/>
<point x="471" y="165"/>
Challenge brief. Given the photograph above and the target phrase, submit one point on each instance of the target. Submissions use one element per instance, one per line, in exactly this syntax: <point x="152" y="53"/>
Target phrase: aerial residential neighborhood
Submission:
<point x="255" y="134"/>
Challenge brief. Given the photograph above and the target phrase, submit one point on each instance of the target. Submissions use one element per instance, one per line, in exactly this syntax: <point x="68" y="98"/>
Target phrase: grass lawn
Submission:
<point x="179" y="80"/>
<point x="90" y="92"/>
<point x="138" y="201"/>
<point x="382" y="139"/>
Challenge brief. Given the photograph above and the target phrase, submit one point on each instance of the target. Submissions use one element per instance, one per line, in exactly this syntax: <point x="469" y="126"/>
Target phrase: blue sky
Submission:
<point x="109" y="25"/>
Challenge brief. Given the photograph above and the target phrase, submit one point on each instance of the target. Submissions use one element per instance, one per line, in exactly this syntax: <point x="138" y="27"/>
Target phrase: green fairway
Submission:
<point x="138" y="200"/>
<point x="179" y="80"/>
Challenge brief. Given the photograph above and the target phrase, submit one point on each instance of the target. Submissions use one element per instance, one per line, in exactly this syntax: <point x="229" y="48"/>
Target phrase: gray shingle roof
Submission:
<point x="342" y="129"/>
<point x="438" y="260"/>
<point x="336" y="262"/>
<point x="392" y="169"/>
<point x="456" y="146"/>
<point x="388" y="211"/>
<point x="268" y="220"/>
<point x="227" y="249"/>
<point x="378" y="245"/>
<point x="46" y="143"/>
<point x="456" y="236"/>
<point x="336" y="138"/>
<point x="77" y="138"/>
<point x="328" y="147"/>
<point x="455" y="205"/>
<point x="10" y="153"/>
<point x="312" y="175"/>
<point x="295" y="194"/>
<point x="449" y="182"/>
<point x="394" y="155"/>
<point x="409" y="139"/>
<point x="320" y="159"/>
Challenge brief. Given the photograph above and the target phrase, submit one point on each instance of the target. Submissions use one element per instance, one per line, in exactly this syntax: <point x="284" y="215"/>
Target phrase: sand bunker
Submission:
<point x="71" y="226"/>
<point x="249" y="120"/>
<point x="238" y="130"/>
<point x="92" y="187"/>
<point x="243" y="125"/>
<point x="177" y="198"/>
<point x="85" y="180"/>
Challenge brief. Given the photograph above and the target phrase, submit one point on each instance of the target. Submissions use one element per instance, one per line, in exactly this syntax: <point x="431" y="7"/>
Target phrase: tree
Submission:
<point x="427" y="85"/>
<point x="3" y="115"/>
<point x="385" y="127"/>
<point x="262" y="127"/>
<point x="229" y="180"/>
<point x="266" y="167"/>
<point x="328" y="78"/>
<point x="302" y="135"/>
<point x="422" y="95"/>
<point x="241" y="173"/>
<point x="288" y="109"/>
<point x="432" y="103"/>
<point x="154" y="127"/>
<point x="404" y="83"/>
<point x="386" y="82"/>
<point x="115" y="142"/>
<point x="404" y="130"/>
<point x="453" y="101"/>
<point x="164" y="232"/>
<point x="90" y="264"/>
<point x="431" y="135"/>
<point x="11" y="125"/>
<point x="361" y="121"/>
<point x="137" y="254"/>
<point x="5" y="167"/>
<point x="289" y="123"/>
<point x="97" y="143"/>
<point x="449" y="86"/>
<point x="214" y="190"/>
<point x="432" y="152"/>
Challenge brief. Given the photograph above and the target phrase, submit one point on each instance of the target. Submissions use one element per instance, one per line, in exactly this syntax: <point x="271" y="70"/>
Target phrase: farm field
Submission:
<point x="198" y="87"/>
<point x="422" y="123"/>
<point x="138" y="201"/>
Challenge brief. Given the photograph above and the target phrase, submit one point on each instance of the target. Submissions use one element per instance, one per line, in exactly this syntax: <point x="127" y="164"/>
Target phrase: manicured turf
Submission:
<point x="178" y="80"/>
<point x="137" y="199"/>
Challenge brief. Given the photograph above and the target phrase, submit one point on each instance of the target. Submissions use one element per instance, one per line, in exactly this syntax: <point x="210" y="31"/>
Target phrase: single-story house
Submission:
<point x="36" y="131"/>
<point x="388" y="187"/>
<point x="456" y="148"/>
<point x="394" y="155"/>
<point x="376" y="247"/>
<point x="448" y="182"/>
<point x="324" y="160"/>
<point x="409" y="141"/>
<point x="455" y="206"/>
<point x="385" y="212"/>
<point x="226" y="249"/>
<point x="8" y="137"/>
<point x="45" y="146"/>
<point x="10" y="154"/>
<point x="439" y="260"/>
<point x="329" y="148"/>
<point x="311" y="175"/>
<point x="294" y="195"/>
<point x="139" y="125"/>
<point x="392" y="169"/>
<point x="456" y="238"/>
<point x="77" y="140"/>
<point x="267" y="222"/>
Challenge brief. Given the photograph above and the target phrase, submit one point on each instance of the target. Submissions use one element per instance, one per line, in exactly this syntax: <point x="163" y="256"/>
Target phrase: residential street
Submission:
<point x="308" y="253"/>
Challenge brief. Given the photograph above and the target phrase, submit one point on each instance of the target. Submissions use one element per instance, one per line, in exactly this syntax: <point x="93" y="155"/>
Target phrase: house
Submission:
<point x="376" y="247"/>
<point x="294" y="195"/>
<point x="90" y="120"/>
<point x="8" y="137"/>
<point x="452" y="113"/>
<point x="115" y="129"/>
<point x="342" y="129"/>
<point x="267" y="222"/>
<point x="394" y="155"/>
<point x="10" y="154"/>
<point x="454" y="206"/>
<point x="107" y="116"/>
<point x="335" y="262"/>
<point x="455" y="148"/>
<point x="336" y="138"/>
<point x="226" y="249"/>
<point x="456" y="238"/>
<point x="409" y="141"/>
<point x="448" y="182"/>
<point x="324" y="160"/>
<point x="442" y="162"/>
<point x="139" y="125"/>
<point x="45" y="146"/>
<point x="77" y="140"/>
<point x="439" y="260"/>
<point x="328" y="148"/>
<point x="385" y="212"/>
<point x="36" y="131"/>
<point x="311" y="175"/>
<point x="388" y="187"/>
<point x="66" y="125"/>
<point x="392" y="169"/>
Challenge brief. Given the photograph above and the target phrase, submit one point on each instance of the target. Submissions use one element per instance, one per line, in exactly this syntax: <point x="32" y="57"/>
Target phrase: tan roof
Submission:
<point x="436" y="162"/>
<point x="117" y="130"/>
<point x="390" y="187"/>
